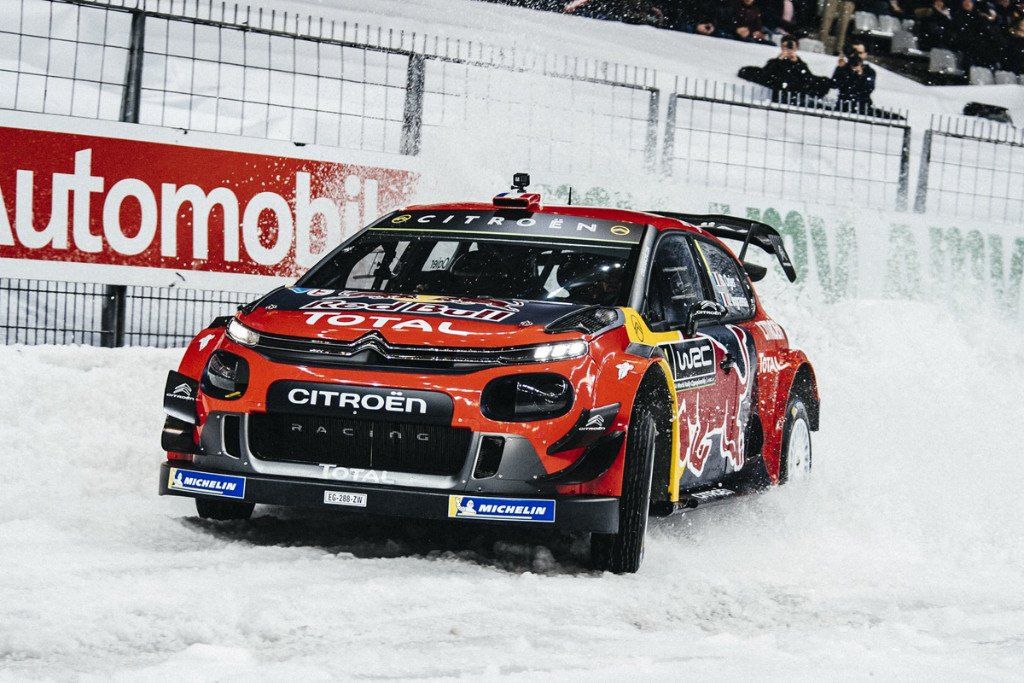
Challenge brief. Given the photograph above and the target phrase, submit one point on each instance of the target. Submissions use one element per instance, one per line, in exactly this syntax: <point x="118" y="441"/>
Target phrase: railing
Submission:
<point x="227" y="68"/>
<point x="47" y="312"/>
<point x="738" y="138"/>
<point x="972" y="168"/>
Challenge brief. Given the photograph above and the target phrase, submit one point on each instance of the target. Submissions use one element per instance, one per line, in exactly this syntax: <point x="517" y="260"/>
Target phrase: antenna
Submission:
<point x="570" y="195"/>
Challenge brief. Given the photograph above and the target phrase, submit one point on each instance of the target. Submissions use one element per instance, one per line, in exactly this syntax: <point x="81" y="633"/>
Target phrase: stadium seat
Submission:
<point x="812" y="45"/>
<point x="888" y="25"/>
<point x="1006" y="78"/>
<point x="943" y="62"/>
<point x="864" y="22"/>
<point x="979" y="75"/>
<point x="904" y="43"/>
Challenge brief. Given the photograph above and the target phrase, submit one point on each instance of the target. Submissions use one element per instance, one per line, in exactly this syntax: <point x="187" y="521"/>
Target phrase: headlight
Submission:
<point x="242" y="334"/>
<point x="573" y="349"/>
<point x="226" y="376"/>
<point x="520" y="398"/>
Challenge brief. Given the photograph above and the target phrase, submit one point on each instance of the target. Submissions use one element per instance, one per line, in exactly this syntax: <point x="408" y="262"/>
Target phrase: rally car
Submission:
<point x="502" y="362"/>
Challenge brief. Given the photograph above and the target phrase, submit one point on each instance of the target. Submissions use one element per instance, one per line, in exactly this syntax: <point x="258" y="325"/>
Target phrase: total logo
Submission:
<point x="356" y="474"/>
<point x="378" y="322"/>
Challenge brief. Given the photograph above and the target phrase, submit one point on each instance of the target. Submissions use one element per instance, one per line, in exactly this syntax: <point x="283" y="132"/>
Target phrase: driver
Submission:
<point x="498" y="271"/>
<point x="591" y="278"/>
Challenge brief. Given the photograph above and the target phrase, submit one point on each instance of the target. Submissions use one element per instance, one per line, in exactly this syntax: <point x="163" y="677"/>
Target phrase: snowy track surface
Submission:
<point x="903" y="557"/>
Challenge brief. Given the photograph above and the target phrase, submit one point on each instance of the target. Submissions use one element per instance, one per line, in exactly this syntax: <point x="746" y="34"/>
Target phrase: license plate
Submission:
<point x="357" y="500"/>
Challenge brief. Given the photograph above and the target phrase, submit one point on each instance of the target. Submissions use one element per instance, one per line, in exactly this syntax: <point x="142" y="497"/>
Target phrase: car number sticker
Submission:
<point x="356" y="500"/>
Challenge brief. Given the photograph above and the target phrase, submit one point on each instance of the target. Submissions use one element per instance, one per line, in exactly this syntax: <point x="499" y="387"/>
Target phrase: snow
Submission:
<point x="900" y="558"/>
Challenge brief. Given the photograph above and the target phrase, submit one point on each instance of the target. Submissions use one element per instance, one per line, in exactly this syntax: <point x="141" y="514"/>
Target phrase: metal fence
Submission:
<point x="972" y="168"/>
<point x="47" y="312"/>
<point x="735" y="137"/>
<point x="228" y="68"/>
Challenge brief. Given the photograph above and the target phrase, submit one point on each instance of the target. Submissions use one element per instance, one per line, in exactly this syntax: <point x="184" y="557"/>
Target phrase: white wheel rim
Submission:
<point x="798" y="455"/>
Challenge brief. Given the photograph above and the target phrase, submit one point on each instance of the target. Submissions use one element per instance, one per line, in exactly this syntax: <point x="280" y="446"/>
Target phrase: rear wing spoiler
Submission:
<point x="743" y="230"/>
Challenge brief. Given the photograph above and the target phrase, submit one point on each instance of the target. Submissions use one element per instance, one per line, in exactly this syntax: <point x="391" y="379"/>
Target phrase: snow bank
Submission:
<point x="899" y="558"/>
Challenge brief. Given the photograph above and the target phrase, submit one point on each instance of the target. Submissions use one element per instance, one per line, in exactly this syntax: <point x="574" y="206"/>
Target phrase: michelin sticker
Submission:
<point x="503" y="509"/>
<point x="207" y="483"/>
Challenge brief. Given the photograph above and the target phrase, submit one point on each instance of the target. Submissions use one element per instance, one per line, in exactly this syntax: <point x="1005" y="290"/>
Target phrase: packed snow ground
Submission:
<point x="900" y="558"/>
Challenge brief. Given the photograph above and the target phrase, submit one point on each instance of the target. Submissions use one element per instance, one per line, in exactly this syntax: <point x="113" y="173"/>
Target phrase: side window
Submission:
<point x="440" y="257"/>
<point x="727" y="281"/>
<point x="675" y="282"/>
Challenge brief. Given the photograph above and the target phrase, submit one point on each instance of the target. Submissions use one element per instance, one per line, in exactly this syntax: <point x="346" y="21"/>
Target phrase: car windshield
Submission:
<point x="476" y="266"/>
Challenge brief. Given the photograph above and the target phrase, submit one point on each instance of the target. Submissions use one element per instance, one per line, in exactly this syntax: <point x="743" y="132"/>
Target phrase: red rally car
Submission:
<point x="501" y="362"/>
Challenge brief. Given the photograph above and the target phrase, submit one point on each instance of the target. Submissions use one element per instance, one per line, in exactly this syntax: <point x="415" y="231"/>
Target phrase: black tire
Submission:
<point x="223" y="510"/>
<point x="796" y="411"/>
<point x="622" y="553"/>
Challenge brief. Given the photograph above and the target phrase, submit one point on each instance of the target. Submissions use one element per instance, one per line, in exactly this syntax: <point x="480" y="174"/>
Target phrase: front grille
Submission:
<point x="373" y="351"/>
<point x="345" y="442"/>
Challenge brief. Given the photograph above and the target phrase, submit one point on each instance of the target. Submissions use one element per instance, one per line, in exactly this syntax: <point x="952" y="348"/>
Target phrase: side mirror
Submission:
<point x="703" y="312"/>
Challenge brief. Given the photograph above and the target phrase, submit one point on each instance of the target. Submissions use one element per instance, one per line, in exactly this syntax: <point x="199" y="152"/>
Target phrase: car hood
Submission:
<point x="419" y="320"/>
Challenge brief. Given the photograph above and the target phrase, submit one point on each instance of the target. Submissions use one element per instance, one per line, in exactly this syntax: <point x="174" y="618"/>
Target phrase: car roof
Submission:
<point x="596" y="212"/>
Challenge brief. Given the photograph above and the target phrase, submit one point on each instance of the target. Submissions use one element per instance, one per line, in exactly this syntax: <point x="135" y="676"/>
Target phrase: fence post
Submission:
<point x="112" y="316"/>
<point x="921" y="200"/>
<point x="132" y="96"/>
<point x="651" y="144"/>
<point x="669" y="148"/>
<point x="412" y="113"/>
<point x="114" y="296"/>
<point x="903" y="190"/>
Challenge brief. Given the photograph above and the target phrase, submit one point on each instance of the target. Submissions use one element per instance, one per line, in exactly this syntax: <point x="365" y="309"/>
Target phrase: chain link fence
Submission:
<point x="736" y="137"/>
<point x="973" y="169"/>
<point x="231" y="69"/>
<point x="48" y="312"/>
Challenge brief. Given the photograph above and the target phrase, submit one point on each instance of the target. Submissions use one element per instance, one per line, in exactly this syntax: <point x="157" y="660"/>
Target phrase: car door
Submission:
<point x="726" y="283"/>
<point x="705" y="391"/>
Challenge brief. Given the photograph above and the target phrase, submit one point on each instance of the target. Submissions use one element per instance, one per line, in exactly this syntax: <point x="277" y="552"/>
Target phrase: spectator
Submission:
<point x="1004" y="10"/>
<point x="703" y="17"/>
<point x="973" y="34"/>
<point x="788" y="76"/>
<point x="1012" y="58"/>
<point x="934" y="26"/>
<point x="855" y="81"/>
<point x="787" y="16"/>
<point x="880" y="7"/>
<point x="748" y="22"/>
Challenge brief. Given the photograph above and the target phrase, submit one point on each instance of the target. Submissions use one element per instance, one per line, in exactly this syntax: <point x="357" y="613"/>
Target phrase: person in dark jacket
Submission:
<point x="934" y="26"/>
<point x="1012" y="57"/>
<point x="788" y="76"/>
<point x="973" y="34"/>
<point x="748" y="22"/>
<point x="855" y="81"/>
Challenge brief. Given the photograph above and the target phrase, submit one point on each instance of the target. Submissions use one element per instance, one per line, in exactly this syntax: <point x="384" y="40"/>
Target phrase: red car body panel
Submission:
<point x="755" y="369"/>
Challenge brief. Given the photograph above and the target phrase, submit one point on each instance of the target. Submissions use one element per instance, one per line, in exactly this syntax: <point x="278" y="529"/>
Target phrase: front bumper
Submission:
<point x="567" y="513"/>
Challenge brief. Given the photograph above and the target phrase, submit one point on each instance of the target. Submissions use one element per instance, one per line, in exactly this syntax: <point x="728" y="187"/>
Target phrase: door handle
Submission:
<point x="727" y="362"/>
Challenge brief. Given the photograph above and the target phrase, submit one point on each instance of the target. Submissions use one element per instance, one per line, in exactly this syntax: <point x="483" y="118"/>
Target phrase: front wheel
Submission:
<point x="223" y="510"/>
<point x="623" y="552"/>
<point x="796" y="443"/>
